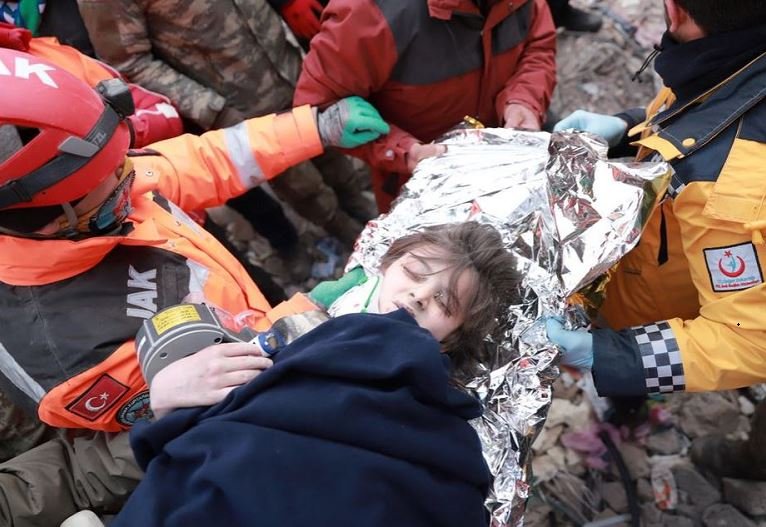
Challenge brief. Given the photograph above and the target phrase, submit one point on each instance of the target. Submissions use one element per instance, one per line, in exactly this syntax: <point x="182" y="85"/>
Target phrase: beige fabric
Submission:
<point x="46" y="485"/>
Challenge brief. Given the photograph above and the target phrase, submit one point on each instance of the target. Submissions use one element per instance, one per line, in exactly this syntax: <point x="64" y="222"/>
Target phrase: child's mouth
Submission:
<point x="406" y="308"/>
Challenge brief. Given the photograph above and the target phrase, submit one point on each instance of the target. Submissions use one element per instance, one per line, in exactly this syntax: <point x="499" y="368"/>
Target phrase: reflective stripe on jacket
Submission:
<point x="692" y="293"/>
<point x="70" y="309"/>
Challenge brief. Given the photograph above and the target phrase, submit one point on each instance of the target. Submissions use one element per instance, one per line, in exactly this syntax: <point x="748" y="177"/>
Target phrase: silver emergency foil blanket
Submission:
<point x="568" y="215"/>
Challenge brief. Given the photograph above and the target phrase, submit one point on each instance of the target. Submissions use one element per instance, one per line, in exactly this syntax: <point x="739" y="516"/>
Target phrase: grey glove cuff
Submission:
<point x="330" y="125"/>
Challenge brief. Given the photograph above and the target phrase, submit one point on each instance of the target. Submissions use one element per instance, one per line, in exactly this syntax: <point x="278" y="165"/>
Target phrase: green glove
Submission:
<point x="327" y="292"/>
<point x="350" y="122"/>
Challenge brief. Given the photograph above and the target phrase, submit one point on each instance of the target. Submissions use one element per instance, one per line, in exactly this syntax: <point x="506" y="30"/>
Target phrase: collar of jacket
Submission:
<point x="683" y="129"/>
<point x="28" y="262"/>
<point x="444" y="9"/>
<point x="692" y="68"/>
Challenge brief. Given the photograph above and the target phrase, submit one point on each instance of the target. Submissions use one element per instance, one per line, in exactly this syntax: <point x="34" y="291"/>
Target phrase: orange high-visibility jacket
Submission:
<point x="69" y="310"/>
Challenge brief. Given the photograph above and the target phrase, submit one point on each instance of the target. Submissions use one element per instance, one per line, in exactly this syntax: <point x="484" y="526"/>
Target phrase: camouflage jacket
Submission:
<point x="203" y="55"/>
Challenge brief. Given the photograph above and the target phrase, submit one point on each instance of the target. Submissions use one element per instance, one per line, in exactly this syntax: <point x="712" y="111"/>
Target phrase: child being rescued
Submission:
<point x="358" y="422"/>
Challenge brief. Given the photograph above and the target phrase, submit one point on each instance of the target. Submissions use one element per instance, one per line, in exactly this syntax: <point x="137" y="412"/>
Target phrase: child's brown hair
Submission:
<point x="477" y="247"/>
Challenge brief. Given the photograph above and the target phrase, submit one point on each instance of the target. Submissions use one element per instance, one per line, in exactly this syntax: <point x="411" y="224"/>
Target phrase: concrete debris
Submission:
<point x="748" y="496"/>
<point x="547" y="438"/>
<point x="650" y="514"/>
<point x="669" y="520"/>
<point x="615" y="497"/>
<point x="636" y="459"/>
<point x="565" y="412"/>
<point x="545" y="467"/>
<point x="595" y="71"/>
<point x="708" y="413"/>
<point x="666" y="442"/>
<point x="721" y="515"/>
<point x="746" y="407"/>
<point x="645" y="492"/>
<point x="693" y="488"/>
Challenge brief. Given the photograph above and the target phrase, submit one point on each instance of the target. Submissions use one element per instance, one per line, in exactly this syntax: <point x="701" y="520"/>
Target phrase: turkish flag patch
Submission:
<point x="98" y="399"/>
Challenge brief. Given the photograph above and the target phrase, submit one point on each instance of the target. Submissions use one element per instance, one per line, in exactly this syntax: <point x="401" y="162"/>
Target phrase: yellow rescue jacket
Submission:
<point x="692" y="293"/>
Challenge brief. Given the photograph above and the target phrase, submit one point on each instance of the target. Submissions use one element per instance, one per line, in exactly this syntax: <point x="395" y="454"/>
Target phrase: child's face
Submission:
<point x="419" y="283"/>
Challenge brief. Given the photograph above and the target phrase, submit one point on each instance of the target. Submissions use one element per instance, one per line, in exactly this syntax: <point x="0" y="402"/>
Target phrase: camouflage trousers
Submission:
<point x="46" y="485"/>
<point x="327" y="191"/>
<point x="18" y="431"/>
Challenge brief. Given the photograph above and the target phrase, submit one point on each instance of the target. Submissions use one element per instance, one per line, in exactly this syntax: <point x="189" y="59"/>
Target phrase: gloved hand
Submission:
<point x="14" y="37"/>
<point x="350" y="122"/>
<point x="577" y="345"/>
<point x="607" y="126"/>
<point x="303" y="17"/>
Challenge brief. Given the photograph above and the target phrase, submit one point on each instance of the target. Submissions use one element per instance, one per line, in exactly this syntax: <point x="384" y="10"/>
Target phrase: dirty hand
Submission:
<point x="576" y="345"/>
<point x="419" y="151"/>
<point x="350" y="122"/>
<point x="519" y="116"/>
<point x="609" y="127"/>
<point x="303" y="17"/>
<point x="205" y="378"/>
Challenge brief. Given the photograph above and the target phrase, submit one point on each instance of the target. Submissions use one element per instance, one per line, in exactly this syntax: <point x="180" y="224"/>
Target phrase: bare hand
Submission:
<point x="419" y="151"/>
<point x="207" y="377"/>
<point x="519" y="116"/>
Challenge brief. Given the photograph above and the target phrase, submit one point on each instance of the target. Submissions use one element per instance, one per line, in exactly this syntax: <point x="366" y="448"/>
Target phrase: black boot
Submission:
<point x="575" y="19"/>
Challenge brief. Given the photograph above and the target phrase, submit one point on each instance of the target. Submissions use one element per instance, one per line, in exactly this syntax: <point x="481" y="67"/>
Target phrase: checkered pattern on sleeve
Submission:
<point x="663" y="368"/>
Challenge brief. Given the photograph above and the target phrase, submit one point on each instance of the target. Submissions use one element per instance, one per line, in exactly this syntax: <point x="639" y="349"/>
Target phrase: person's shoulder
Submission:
<point x="403" y="10"/>
<point x="754" y="125"/>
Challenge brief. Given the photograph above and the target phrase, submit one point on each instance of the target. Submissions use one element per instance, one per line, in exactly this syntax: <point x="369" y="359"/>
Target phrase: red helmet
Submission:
<point x="79" y="133"/>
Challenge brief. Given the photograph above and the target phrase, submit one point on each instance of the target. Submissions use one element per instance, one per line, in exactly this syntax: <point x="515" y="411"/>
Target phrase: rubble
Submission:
<point x="721" y="515"/>
<point x="709" y="413"/>
<point x="636" y="459"/>
<point x="595" y="71"/>
<point x="613" y="493"/>
<point x="748" y="496"/>
<point x="666" y="442"/>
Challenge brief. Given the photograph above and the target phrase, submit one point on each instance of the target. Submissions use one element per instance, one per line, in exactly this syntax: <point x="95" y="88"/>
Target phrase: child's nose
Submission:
<point x="421" y="296"/>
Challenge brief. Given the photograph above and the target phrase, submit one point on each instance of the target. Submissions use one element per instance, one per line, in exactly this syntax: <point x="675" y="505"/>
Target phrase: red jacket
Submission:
<point x="423" y="64"/>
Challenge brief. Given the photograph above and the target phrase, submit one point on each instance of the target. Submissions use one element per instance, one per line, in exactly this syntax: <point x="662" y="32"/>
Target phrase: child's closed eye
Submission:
<point x="443" y="304"/>
<point x="414" y="275"/>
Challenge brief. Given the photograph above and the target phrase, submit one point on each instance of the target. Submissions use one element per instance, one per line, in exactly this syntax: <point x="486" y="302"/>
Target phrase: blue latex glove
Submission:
<point x="577" y="345"/>
<point x="607" y="126"/>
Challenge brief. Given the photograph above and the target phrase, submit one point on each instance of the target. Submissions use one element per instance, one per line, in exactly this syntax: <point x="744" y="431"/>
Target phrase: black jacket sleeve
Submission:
<point x="618" y="369"/>
<point x="633" y="116"/>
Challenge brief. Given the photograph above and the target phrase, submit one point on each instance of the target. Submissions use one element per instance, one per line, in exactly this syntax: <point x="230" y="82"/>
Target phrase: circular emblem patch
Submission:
<point x="137" y="409"/>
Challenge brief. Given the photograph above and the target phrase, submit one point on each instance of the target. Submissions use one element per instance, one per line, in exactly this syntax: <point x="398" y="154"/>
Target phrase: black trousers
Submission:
<point x="266" y="216"/>
<point x="558" y="8"/>
<point x="273" y="292"/>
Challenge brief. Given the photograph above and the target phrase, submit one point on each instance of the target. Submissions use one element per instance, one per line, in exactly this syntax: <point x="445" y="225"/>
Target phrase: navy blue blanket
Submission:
<point x="355" y="424"/>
